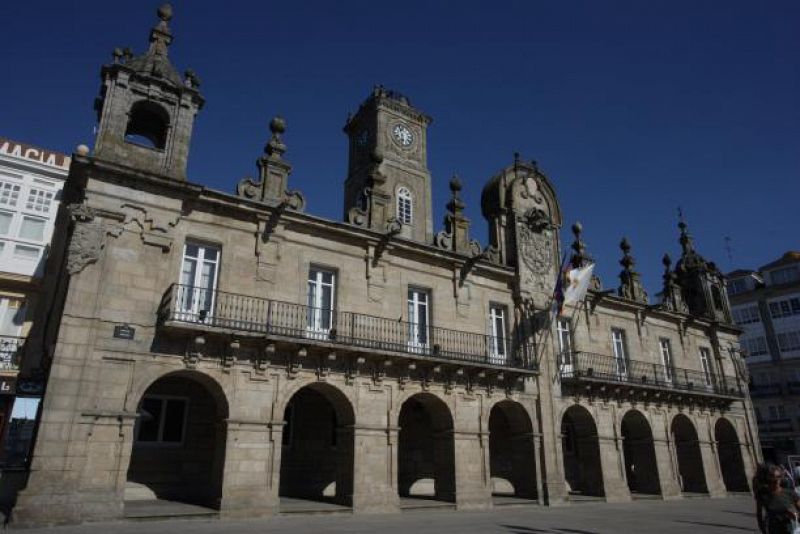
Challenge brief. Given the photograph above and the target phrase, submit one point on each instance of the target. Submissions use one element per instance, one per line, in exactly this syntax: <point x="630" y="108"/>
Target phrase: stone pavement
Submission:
<point x="696" y="516"/>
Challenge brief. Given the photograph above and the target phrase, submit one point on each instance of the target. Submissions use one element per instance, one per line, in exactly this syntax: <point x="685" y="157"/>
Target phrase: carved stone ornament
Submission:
<point x="536" y="255"/>
<point x="88" y="238"/>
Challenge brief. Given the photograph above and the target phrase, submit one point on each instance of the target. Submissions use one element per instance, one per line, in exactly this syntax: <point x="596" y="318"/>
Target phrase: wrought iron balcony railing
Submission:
<point x="603" y="368"/>
<point x="218" y="309"/>
<point x="10" y="351"/>
<point x="793" y="388"/>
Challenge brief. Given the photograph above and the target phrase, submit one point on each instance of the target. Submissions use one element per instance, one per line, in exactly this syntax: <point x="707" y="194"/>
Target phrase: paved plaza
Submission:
<point x="733" y="514"/>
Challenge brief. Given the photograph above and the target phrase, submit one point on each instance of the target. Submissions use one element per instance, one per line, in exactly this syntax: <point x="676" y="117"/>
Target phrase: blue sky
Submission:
<point x="632" y="108"/>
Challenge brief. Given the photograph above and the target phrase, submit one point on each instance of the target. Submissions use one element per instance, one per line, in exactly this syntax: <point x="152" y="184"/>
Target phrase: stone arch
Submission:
<point x="512" y="461"/>
<point x="729" y="451"/>
<point x="581" y="450"/>
<point x="688" y="455"/>
<point x="641" y="469"/>
<point x="148" y="124"/>
<point x="317" y="445"/>
<point x="179" y="440"/>
<point x="426" y="450"/>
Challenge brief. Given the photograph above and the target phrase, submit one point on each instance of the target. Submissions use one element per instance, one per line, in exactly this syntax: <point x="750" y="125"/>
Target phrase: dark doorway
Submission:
<point x="641" y="469"/>
<point x="730" y="456"/>
<point x="426" y="455"/>
<point x="511" y="453"/>
<point x="581" y="449"/>
<point x="690" y="459"/>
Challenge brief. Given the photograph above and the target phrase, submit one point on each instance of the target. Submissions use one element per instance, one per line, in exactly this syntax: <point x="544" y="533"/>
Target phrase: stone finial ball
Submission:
<point x="277" y="125"/>
<point x="577" y="228"/>
<point x="666" y="260"/>
<point x="165" y="12"/>
<point x="82" y="150"/>
<point x="455" y="183"/>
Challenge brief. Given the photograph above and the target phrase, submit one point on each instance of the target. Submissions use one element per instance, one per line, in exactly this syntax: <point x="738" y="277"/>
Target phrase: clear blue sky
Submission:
<point x="631" y="108"/>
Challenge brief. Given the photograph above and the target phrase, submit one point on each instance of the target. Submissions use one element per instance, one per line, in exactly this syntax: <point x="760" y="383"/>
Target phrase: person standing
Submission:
<point x="776" y="506"/>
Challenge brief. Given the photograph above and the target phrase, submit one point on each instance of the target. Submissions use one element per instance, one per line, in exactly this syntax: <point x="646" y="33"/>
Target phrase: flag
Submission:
<point x="578" y="283"/>
<point x="558" y="293"/>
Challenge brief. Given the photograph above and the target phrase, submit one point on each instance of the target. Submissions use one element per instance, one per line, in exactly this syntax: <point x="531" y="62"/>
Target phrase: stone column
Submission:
<point x="537" y="451"/>
<point x="667" y="470"/>
<point x="375" y="470"/>
<point x="473" y="488"/>
<point x="714" y="482"/>
<point x="615" y="485"/>
<point x="80" y="480"/>
<point x="246" y="486"/>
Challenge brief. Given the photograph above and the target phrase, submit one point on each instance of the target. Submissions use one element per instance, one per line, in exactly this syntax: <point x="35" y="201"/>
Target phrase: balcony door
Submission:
<point x="319" y="316"/>
<point x="498" y="354"/>
<point x="418" y="319"/>
<point x="196" y="293"/>
<point x="620" y="353"/>
<point x="705" y="361"/>
<point x="666" y="360"/>
<point x="563" y="329"/>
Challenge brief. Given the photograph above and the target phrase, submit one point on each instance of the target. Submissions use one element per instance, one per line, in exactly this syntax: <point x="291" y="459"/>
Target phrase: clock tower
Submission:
<point x="388" y="181"/>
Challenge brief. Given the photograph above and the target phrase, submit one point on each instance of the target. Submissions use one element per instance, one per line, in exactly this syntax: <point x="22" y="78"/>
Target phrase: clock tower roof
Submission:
<point x="381" y="97"/>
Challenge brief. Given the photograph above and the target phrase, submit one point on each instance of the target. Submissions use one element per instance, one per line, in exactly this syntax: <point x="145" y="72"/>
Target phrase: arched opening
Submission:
<point x="730" y="456"/>
<point x="581" y="448"/>
<point x="148" y="124"/>
<point x="687" y="451"/>
<point x="317" y="446"/>
<point x="511" y="453"/>
<point x="640" y="454"/>
<point x="426" y="453"/>
<point x="179" y="441"/>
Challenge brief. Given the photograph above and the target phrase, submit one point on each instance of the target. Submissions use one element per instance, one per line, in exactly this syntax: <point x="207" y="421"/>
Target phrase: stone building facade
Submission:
<point x="229" y="350"/>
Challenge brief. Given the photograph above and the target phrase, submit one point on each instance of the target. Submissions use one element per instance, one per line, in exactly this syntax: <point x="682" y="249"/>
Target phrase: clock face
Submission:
<point x="402" y="134"/>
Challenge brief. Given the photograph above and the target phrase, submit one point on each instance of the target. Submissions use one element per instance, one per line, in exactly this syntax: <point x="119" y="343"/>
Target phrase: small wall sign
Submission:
<point x="124" y="331"/>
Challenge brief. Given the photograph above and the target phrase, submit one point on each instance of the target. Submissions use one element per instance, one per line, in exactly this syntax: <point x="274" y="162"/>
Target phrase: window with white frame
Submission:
<point x="418" y="317"/>
<point x="666" y="357"/>
<point x="198" y="281"/>
<point x="9" y="193"/>
<point x="785" y="275"/>
<point x="39" y="200"/>
<point x="737" y="286"/>
<point x="705" y="362"/>
<point x="405" y="206"/>
<point x="5" y="222"/>
<point x="784" y="308"/>
<point x="564" y="332"/>
<point x="497" y="333"/>
<point x="321" y="287"/>
<point x="755" y="346"/>
<point x="162" y="419"/>
<point x="746" y="315"/>
<point x="620" y="351"/>
<point x="789" y="341"/>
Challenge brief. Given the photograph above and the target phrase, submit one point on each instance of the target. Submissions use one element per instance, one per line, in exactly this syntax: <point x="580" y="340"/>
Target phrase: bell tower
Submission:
<point x="146" y="110"/>
<point x="387" y="175"/>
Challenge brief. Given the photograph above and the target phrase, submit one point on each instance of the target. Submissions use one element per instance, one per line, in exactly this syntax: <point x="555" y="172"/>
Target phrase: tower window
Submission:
<point x="147" y="125"/>
<point x="405" y="206"/>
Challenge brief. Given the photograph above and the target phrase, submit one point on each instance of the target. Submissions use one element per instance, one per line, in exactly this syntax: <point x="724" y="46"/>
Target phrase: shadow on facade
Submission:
<point x="640" y="454"/>
<point x="690" y="459"/>
<point x="317" y="447"/>
<point x="581" y="448"/>
<point x="426" y="454"/>
<point x="730" y="456"/>
<point x="179" y="441"/>
<point x="511" y="451"/>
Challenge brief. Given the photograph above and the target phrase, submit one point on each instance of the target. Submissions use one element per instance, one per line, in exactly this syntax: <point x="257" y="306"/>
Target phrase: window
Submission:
<point x="26" y="253"/>
<point x="564" y="331"/>
<point x="32" y="228"/>
<point x="5" y="222"/>
<point x="755" y="346"/>
<point x="784" y="308"/>
<point x="737" y="286"/>
<point x="777" y="412"/>
<point x="620" y="351"/>
<point x="746" y="315"/>
<point x="405" y="207"/>
<point x="666" y="358"/>
<point x="9" y="194"/>
<point x="198" y="281"/>
<point x="705" y="362"/>
<point x="497" y="334"/>
<point x="12" y="316"/>
<point x="148" y="125"/>
<point x="789" y="341"/>
<point x="785" y="275"/>
<point x="39" y="200"/>
<point x="320" y="300"/>
<point x="161" y="419"/>
<point x="418" y="318"/>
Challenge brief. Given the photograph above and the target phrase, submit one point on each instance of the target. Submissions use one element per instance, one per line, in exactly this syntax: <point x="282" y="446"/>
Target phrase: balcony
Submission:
<point x="10" y="352"/>
<point x="590" y="368"/>
<point x="761" y="390"/>
<point x="192" y="308"/>
<point x="793" y="388"/>
<point x="775" y="425"/>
